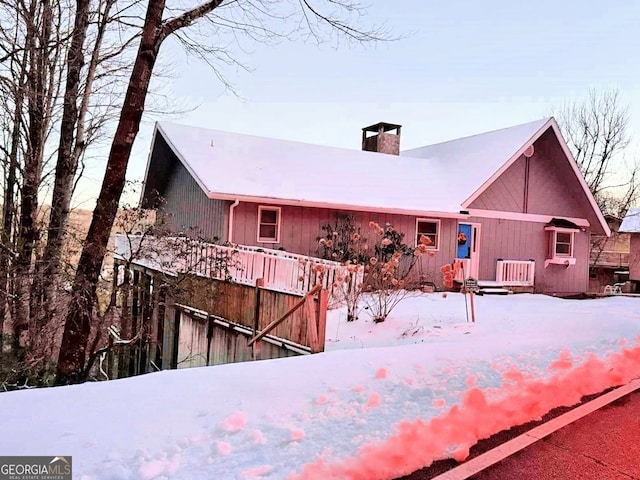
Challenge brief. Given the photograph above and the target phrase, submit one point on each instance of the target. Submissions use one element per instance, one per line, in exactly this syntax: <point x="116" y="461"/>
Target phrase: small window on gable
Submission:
<point x="431" y="230"/>
<point x="269" y="224"/>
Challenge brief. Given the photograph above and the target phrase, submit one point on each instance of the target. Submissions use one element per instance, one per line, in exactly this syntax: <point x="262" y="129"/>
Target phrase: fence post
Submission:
<point x="256" y="317"/>
<point x="312" y="327"/>
<point x="321" y="316"/>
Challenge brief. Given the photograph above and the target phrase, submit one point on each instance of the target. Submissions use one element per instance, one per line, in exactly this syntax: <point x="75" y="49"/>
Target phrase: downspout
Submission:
<point x="230" y="230"/>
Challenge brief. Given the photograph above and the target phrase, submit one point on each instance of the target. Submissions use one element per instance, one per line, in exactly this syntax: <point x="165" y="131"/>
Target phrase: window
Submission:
<point x="564" y="244"/>
<point x="431" y="230"/>
<point x="561" y="246"/>
<point x="268" y="224"/>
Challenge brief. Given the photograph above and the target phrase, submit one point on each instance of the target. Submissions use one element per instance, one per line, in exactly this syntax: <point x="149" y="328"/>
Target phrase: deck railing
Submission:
<point x="515" y="273"/>
<point x="607" y="258"/>
<point x="280" y="270"/>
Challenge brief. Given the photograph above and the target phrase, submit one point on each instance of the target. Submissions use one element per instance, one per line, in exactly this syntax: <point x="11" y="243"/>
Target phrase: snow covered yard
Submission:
<point x="384" y="400"/>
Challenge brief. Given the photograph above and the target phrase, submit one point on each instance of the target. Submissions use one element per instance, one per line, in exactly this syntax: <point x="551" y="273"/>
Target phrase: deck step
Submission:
<point x="494" y="291"/>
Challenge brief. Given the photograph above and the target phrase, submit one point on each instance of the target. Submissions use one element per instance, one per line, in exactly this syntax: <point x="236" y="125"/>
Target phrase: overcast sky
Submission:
<point x="465" y="67"/>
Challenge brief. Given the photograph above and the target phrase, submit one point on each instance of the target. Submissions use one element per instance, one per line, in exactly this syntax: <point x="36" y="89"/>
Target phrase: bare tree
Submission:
<point x="597" y="132"/>
<point x="47" y="47"/>
<point x="76" y="134"/>
<point x="66" y="161"/>
<point x="14" y="99"/>
<point x="251" y="18"/>
<point x="43" y="48"/>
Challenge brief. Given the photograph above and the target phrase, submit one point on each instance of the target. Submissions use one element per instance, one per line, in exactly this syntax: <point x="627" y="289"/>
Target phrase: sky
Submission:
<point x="423" y="385"/>
<point x="458" y="68"/>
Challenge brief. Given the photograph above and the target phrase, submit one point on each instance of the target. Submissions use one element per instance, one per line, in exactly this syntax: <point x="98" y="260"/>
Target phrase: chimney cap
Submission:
<point x="385" y="127"/>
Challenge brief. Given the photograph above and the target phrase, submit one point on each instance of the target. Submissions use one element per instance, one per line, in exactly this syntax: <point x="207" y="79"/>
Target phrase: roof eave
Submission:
<point x="333" y="205"/>
<point x="583" y="183"/>
<point x="143" y="193"/>
<point x="180" y="157"/>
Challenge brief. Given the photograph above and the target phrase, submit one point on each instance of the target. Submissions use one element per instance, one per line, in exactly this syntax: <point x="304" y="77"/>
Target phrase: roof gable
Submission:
<point x="543" y="184"/>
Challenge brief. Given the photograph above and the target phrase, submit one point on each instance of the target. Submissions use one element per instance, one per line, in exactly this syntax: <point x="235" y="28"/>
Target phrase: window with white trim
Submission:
<point x="268" y="224"/>
<point x="561" y="246"/>
<point x="429" y="228"/>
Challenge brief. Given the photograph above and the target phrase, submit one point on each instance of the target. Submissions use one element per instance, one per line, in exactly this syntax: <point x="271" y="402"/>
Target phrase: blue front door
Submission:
<point x="464" y="240"/>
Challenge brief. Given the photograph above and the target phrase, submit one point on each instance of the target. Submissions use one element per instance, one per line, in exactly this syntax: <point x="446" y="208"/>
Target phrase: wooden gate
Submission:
<point x="267" y="324"/>
<point x="207" y="340"/>
<point x="211" y="322"/>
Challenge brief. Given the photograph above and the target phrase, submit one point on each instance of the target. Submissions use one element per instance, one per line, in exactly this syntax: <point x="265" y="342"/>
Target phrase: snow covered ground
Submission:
<point x="384" y="400"/>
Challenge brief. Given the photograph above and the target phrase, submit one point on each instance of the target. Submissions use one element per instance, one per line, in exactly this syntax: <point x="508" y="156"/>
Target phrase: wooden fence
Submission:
<point x="255" y="307"/>
<point x="207" y="322"/>
<point x="206" y="340"/>
<point x="224" y="321"/>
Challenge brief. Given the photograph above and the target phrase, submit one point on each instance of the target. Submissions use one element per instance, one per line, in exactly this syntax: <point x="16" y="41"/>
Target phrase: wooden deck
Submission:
<point x="280" y="271"/>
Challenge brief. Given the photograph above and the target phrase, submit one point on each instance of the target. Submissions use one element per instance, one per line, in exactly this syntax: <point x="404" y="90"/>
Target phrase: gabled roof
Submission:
<point x="468" y="162"/>
<point x="631" y="221"/>
<point x="440" y="178"/>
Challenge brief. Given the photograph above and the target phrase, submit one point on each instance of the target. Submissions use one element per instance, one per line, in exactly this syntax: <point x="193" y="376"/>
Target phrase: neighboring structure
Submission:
<point x="511" y="204"/>
<point x="631" y="225"/>
<point x="609" y="263"/>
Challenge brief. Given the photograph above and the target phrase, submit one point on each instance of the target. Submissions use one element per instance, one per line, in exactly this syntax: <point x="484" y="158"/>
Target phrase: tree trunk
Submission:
<point x="78" y="320"/>
<point x="73" y="351"/>
<point x="66" y="164"/>
<point x="37" y="116"/>
<point x="8" y="215"/>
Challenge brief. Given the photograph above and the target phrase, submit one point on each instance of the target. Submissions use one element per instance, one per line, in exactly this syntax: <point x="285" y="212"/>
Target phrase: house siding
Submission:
<point x="552" y="187"/>
<point x="301" y="227"/>
<point x="634" y="257"/>
<point x="507" y="239"/>
<point x="186" y="207"/>
<point x="517" y="240"/>
<point x="506" y="193"/>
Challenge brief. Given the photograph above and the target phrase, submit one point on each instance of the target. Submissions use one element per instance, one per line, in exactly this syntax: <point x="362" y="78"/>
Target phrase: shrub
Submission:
<point x="387" y="271"/>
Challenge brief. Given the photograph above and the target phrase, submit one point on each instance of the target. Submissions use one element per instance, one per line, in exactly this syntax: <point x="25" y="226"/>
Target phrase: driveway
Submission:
<point x="604" y="445"/>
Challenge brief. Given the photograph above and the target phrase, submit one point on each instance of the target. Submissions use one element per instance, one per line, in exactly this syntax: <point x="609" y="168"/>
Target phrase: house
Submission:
<point x="609" y="257"/>
<point x="631" y="226"/>
<point x="511" y="203"/>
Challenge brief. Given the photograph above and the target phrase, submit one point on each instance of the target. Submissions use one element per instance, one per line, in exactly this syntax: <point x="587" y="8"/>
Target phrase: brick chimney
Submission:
<point x="382" y="138"/>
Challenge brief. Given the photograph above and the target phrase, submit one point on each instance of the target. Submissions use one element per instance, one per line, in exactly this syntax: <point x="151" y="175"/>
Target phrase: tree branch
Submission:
<point x="187" y="18"/>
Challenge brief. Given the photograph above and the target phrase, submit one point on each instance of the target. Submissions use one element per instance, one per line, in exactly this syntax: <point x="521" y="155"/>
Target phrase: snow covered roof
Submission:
<point x="631" y="221"/>
<point x="231" y="165"/>
<point x="466" y="164"/>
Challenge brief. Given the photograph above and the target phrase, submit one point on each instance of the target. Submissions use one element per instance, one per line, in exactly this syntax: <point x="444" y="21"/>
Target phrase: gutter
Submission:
<point x="230" y="230"/>
<point x="454" y="213"/>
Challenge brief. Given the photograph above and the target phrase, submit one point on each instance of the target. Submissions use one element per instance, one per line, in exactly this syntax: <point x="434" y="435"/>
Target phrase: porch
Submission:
<point x="280" y="270"/>
<point x="511" y="275"/>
